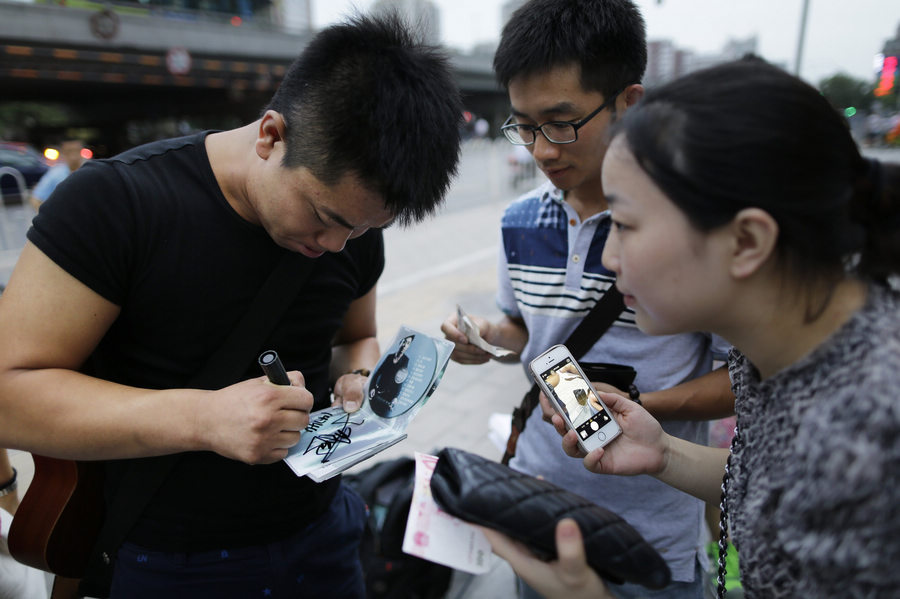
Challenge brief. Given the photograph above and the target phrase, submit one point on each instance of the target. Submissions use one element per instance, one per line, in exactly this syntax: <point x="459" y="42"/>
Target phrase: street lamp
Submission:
<point x="799" y="58"/>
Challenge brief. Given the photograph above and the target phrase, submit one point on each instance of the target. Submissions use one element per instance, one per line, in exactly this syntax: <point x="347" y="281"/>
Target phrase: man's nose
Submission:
<point x="542" y="149"/>
<point x="334" y="239"/>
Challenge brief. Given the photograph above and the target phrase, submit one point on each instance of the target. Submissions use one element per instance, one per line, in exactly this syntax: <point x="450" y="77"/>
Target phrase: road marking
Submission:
<point x="437" y="271"/>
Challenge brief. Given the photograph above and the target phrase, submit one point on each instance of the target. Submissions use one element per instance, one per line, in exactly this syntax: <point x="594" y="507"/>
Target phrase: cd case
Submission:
<point x="404" y="379"/>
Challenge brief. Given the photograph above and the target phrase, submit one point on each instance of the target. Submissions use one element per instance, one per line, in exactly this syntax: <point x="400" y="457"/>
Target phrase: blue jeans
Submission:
<point x="676" y="590"/>
<point x="320" y="561"/>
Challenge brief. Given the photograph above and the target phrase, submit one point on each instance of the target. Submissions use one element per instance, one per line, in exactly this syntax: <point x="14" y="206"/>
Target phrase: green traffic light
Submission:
<point x="849" y="111"/>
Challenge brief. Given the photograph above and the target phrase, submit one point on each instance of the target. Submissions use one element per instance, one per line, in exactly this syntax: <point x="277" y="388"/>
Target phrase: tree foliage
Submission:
<point x="843" y="91"/>
<point x="18" y="119"/>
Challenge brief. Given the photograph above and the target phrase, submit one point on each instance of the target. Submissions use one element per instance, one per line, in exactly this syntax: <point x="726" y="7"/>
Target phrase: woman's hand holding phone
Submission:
<point x="548" y="411"/>
<point x="568" y="390"/>
<point x="642" y="447"/>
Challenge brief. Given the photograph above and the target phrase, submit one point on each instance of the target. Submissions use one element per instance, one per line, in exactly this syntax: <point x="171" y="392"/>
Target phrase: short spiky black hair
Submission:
<point x="606" y="38"/>
<point x="368" y="97"/>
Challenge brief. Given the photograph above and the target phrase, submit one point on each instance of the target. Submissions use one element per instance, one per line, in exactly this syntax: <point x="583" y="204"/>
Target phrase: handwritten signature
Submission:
<point x="325" y="445"/>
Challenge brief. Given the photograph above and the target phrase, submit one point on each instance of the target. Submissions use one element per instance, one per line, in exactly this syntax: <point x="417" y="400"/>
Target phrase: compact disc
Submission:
<point x="403" y="376"/>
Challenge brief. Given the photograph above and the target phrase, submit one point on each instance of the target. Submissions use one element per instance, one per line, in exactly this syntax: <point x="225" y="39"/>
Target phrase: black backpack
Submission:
<point x="387" y="489"/>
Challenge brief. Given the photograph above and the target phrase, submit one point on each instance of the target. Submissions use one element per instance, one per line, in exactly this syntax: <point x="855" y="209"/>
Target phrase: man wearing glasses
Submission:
<point x="571" y="68"/>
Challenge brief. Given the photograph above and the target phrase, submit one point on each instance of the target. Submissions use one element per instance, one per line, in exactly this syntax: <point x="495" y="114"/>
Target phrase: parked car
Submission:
<point x="25" y="159"/>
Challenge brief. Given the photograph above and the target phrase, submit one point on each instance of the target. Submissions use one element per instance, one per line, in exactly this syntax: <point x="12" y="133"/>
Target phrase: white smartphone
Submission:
<point x="561" y="379"/>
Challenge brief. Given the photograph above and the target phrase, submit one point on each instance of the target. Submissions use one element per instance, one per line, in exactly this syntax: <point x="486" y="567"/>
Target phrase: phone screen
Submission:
<point x="576" y="397"/>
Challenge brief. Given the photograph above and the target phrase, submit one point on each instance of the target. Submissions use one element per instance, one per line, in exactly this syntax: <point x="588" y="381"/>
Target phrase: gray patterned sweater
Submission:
<point x="814" y="499"/>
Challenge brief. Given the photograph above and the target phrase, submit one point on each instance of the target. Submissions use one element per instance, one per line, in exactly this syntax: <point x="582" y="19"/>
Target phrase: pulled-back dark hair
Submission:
<point x="747" y="134"/>
<point x="606" y="38"/>
<point x="368" y="97"/>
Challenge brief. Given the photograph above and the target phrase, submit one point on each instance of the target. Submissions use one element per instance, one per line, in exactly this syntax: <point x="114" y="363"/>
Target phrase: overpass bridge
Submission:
<point x="118" y="65"/>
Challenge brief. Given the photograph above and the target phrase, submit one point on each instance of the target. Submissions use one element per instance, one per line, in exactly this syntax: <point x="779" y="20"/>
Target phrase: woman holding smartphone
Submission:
<point x="742" y="206"/>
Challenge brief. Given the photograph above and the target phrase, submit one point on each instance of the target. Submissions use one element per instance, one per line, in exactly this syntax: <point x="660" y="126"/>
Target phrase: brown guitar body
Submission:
<point x="58" y="521"/>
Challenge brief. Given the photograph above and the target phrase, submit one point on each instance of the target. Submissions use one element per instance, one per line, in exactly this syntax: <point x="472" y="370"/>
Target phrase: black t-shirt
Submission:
<point x="150" y="231"/>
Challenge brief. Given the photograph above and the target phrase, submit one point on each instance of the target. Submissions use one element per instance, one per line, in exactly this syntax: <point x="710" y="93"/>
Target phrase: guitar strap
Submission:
<point x="142" y="477"/>
<point x="593" y="326"/>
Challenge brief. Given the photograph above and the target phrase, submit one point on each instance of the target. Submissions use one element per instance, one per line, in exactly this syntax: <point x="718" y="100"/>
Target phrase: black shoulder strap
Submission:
<point x="142" y="477"/>
<point x="593" y="326"/>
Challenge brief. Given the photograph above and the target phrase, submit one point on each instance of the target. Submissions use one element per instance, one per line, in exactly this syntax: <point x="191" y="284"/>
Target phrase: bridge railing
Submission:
<point x="258" y="14"/>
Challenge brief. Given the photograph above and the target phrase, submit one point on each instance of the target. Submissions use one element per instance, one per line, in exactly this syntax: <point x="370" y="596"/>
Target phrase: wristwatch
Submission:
<point x="11" y="485"/>
<point x="634" y="395"/>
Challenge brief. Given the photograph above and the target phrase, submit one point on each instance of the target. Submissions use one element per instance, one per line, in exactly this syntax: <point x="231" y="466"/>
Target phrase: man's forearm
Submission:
<point x="708" y="397"/>
<point x="66" y="414"/>
<point x="508" y="333"/>
<point x="361" y="354"/>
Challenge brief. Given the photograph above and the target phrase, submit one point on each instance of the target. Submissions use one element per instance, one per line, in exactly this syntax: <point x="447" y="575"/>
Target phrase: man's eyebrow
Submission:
<point x="561" y="108"/>
<point x="337" y="218"/>
<point x="343" y="222"/>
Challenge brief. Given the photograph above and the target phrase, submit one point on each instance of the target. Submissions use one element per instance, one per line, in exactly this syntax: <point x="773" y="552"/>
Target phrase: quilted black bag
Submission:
<point x="527" y="509"/>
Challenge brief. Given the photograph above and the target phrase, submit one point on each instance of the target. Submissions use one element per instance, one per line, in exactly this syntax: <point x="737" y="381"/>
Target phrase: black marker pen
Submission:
<point x="274" y="369"/>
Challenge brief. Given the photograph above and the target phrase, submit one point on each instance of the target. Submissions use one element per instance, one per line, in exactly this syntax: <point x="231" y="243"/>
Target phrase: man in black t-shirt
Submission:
<point x="138" y="267"/>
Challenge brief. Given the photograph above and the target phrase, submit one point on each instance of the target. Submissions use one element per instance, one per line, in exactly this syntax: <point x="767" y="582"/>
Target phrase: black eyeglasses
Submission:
<point x="556" y="132"/>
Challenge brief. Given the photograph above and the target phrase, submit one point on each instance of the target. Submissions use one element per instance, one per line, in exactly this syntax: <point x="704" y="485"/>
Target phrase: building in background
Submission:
<point x="663" y="63"/>
<point x="421" y="13"/>
<point x="888" y="70"/>
<point x="124" y="72"/>
<point x="508" y="8"/>
<point x="666" y="61"/>
<point x="892" y="46"/>
<point x="293" y="15"/>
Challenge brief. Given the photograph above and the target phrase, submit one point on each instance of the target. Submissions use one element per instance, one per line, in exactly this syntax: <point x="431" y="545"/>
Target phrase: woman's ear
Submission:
<point x="755" y="235"/>
<point x="271" y="131"/>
